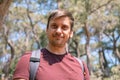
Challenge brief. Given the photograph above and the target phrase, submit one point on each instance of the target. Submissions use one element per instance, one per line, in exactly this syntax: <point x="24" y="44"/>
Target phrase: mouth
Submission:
<point x="58" y="37"/>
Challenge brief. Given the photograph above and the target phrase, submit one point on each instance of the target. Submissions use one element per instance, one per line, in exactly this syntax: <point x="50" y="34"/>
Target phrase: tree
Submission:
<point x="4" y="6"/>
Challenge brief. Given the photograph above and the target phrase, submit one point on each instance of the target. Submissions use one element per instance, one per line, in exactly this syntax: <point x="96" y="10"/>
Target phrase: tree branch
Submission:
<point x="108" y="36"/>
<point x="101" y="6"/>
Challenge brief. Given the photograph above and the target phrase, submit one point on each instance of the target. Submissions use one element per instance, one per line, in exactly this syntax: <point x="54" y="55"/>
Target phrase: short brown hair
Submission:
<point x="61" y="13"/>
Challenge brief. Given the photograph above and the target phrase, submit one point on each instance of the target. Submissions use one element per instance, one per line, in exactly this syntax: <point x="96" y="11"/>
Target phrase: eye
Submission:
<point x="65" y="27"/>
<point x="53" y="26"/>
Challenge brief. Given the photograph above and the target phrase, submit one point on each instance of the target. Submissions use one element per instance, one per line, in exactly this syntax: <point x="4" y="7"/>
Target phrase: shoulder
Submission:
<point x="84" y="68"/>
<point x="27" y="53"/>
<point x="22" y="67"/>
<point x="24" y="58"/>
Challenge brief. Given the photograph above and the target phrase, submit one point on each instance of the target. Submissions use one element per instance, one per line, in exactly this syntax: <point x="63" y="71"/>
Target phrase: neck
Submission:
<point x="56" y="50"/>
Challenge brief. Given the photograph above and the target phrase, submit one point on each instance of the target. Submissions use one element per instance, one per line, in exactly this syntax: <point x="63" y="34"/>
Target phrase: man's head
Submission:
<point x="59" y="28"/>
<point x="61" y="13"/>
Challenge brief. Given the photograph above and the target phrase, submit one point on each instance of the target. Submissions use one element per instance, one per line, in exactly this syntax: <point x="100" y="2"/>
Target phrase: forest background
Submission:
<point x="96" y="37"/>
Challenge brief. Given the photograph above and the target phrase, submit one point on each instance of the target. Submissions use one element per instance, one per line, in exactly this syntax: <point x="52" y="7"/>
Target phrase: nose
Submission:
<point x="59" y="30"/>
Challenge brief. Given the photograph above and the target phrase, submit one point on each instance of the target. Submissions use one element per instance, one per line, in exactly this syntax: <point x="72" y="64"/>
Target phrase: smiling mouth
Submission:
<point x="58" y="37"/>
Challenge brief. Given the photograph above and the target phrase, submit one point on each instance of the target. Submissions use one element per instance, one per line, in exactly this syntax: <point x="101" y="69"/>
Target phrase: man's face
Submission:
<point x="59" y="31"/>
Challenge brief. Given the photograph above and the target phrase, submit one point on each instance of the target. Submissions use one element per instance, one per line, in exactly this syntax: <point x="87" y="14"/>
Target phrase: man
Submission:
<point x="55" y="62"/>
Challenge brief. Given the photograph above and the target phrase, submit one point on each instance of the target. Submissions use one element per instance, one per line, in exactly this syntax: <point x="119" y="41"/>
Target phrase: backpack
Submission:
<point x="35" y="60"/>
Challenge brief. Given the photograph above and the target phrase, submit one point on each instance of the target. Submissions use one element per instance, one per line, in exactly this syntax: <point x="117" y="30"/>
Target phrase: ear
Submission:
<point x="71" y="34"/>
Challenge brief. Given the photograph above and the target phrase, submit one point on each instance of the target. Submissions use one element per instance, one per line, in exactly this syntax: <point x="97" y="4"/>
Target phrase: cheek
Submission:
<point x="50" y="31"/>
<point x="67" y="34"/>
<point x="49" y="34"/>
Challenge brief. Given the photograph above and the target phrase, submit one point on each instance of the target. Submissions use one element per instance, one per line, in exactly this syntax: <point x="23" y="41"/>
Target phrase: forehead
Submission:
<point x="60" y="13"/>
<point x="61" y="20"/>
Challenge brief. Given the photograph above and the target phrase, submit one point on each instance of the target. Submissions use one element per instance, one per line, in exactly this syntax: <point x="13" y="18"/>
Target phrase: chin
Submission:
<point x="59" y="44"/>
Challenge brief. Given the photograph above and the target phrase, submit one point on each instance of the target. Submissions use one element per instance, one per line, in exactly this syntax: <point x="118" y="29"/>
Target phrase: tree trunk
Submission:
<point x="115" y="49"/>
<point x="6" y="67"/>
<point x="12" y="49"/>
<point x="102" y="59"/>
<point x="103" y="62"/>
<point x="77" y="49"/>
<point x="4" y="6"/>
<point x="33" y="28"/>
<point x="117" y="53"/>
<point x="87" y="47"/>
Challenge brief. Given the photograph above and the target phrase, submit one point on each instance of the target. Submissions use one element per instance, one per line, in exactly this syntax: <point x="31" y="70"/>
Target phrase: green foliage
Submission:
<point x="12" y="66"/>
<point x="43" y="39"/>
